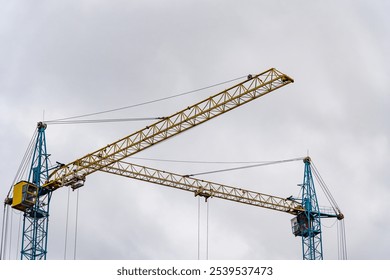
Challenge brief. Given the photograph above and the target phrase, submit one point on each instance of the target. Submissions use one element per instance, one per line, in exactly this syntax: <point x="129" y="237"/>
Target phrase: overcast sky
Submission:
<point x="65" y="58"/>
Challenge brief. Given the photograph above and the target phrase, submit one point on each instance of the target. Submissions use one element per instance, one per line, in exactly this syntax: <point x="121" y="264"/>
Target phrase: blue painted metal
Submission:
<point x="310" y="219"/>
<point x="35" y="221"/>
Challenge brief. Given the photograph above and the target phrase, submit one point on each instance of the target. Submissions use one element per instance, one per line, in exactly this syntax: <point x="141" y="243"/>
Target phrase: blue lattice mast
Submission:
<point x="36" y="218"/>
<point x="312" y="237"/>
<point x="307" y="224"/>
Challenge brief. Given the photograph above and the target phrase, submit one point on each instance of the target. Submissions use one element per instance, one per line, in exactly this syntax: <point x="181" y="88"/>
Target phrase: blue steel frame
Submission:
<point x="312" y="234"/>
<point x="35" y="221"/>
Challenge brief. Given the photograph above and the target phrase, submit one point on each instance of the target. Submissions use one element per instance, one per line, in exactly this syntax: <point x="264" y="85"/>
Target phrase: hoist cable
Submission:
<point x="76" y="226"/>
<point x="66" y="224"/>
<point x="344" y="238"/>
<point x="339" y="253"/>
<point x="207" y="230"/>
<point x="10" y="236"/>
<point x="244" y="167"/>
<point x="3" y="231"/>
<point x="198" y="228"/>
<point x="207" y="227"/>
<point x="341" y="241"/>
<point x="146" y="102"/>
<point x="19" y="234"/>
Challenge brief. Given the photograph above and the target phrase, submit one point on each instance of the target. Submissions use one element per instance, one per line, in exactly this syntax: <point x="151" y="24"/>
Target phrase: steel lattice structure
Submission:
<point x="203" y="188"/>
<point x="36" y="218"/>
<point x="111" y="159"/>
<point x="216" y="105"/>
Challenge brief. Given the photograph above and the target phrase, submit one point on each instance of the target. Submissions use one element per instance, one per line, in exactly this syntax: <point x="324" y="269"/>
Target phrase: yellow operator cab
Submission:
<point x="24" y="195"/>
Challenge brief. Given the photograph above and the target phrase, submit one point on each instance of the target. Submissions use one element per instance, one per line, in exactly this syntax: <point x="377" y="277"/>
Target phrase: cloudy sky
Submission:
<point x="65" y="58"/>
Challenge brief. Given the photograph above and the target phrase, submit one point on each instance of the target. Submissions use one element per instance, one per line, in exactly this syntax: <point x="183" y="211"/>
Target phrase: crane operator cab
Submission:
<point x="300" y="225"/>
<point x="24" y="195"/>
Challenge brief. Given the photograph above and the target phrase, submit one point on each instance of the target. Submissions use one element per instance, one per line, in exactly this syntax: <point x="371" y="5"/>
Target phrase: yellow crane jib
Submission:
<point x="203" y="188"/>
<point x="252" y="88"/>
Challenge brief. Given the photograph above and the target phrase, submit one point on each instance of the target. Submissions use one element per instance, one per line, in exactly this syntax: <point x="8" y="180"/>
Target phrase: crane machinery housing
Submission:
<point x="32" y="196"/>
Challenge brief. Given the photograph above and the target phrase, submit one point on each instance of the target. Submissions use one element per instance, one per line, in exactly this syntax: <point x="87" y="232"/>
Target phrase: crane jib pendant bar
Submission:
<point x="244" y="92"/>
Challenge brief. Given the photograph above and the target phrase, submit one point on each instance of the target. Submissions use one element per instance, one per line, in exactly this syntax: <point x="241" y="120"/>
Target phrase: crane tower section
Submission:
<point x="33" y="200"/>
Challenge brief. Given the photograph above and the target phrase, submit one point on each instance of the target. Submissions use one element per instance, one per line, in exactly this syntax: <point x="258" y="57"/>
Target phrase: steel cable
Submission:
<point x="66" y="224"/>
<point x="76" y="226"/>
<point x="244" y="167"/>
<point x="146" y="102"/>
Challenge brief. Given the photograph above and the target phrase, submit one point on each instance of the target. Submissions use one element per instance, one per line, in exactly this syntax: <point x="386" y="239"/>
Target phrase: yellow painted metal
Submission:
<point x="203" y="188"/>
<point x="229" y="99"/>
<point x="24" y="195"/>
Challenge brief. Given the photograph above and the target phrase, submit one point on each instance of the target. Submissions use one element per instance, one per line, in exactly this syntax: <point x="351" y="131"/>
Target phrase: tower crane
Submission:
<point x="32" y="196"/>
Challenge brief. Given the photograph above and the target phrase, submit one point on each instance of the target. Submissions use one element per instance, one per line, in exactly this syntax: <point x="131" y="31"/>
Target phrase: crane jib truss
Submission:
<point x="306" y="224"/>
<point x="216" y="105"/>
<point x="110" y="159"/>
<point x="203" y="188"/>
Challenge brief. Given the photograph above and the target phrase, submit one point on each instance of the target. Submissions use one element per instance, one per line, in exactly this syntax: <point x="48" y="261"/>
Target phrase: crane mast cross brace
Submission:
<point x="33" y="196"/>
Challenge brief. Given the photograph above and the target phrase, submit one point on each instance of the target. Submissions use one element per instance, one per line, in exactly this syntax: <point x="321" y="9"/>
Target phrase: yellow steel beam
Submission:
<point x="202" y="188"/>
<point x="244" y="92"/>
